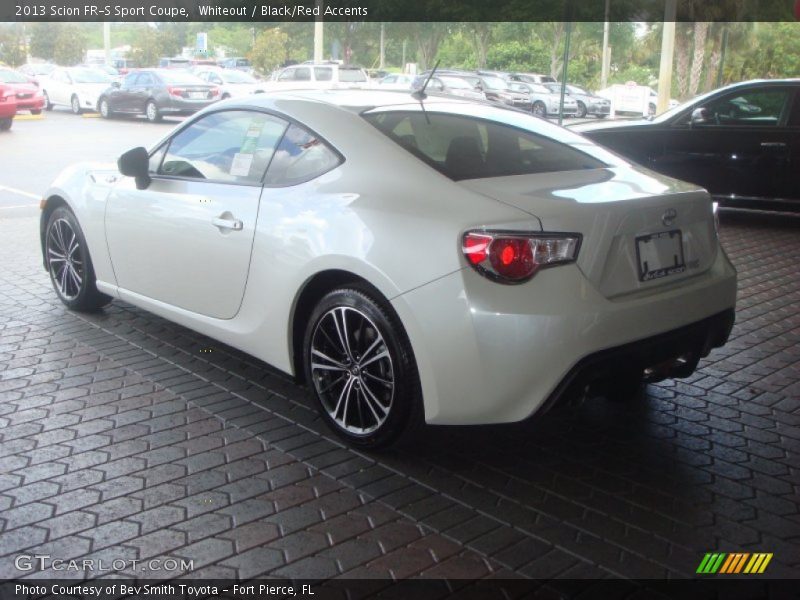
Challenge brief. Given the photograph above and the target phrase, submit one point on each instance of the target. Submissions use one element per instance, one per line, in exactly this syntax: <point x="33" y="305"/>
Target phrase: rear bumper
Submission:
<point x="688" y="344"/>
<point x="489" y="353"/>
<point x="185" y="107"/>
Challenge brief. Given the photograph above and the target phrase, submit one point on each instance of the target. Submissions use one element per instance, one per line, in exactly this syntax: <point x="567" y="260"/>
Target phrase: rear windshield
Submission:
<point x="465" y="147"/>
<point x="352" y="75"/>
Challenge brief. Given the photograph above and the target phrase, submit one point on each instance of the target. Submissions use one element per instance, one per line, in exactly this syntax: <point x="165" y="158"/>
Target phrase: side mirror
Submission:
<point x="135" y="163"/>
<point x="701" y="116"/>
<point x="115" y="84"/>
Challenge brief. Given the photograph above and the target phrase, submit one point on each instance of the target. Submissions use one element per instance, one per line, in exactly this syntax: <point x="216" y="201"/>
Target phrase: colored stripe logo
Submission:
<point x="733" y="563"/>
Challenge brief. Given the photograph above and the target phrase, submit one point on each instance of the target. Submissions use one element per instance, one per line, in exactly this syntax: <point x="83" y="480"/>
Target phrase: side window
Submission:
<point x="231" y="146"/>
<point x="302" y="74"/>
<point x="155" y="159"/>
<point x="794" y="117"/>
<point x="301" y="156"/>
<point x="757" y="108"/>
<point x="129" y="80"/>
<point x="287" y="75"/>
<point x="145" y="79"/>
<point x="436" y="84"/>
<point x="323" y="73"/>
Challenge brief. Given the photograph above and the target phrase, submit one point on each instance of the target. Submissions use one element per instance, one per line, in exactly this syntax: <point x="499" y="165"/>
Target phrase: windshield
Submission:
<point x="179" y="77"/>
<point x="9" y="76"/>
<point x="495" y="83"/>
<point x="455" y="82"/>
<point x="352" y="75"/>
<point x="90" y="76"/>
<point x="237" y="77"/>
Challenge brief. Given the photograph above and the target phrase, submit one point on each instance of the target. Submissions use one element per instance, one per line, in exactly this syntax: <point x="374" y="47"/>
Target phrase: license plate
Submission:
<point x="660" y="254"/>
<point x="197" y="95"/>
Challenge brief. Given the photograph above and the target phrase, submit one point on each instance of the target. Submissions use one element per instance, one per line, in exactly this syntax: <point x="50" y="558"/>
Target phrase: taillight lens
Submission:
<point x="175" y="91"/>
<point x="516" y="257"/>
<point x="214" y="92"/>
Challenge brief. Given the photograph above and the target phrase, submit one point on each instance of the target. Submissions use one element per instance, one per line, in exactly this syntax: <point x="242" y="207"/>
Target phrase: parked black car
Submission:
<point x="741" y="142"/>
<point x="157" y="92"/>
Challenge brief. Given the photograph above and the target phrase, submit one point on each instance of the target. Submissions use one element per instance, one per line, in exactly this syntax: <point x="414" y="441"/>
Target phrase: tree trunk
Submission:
<point x="682" y="60"/>
<point x="699" y="55"/>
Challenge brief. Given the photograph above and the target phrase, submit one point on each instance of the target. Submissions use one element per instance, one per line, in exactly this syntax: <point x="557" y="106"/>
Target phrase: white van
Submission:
<point x="320" y="76"/>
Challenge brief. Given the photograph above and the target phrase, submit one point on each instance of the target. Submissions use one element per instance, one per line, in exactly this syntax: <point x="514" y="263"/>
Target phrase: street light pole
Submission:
<point x="667" y="51"/>
<point x="606" y="58"/>
<point x="318" y="35"/>
<point x="107" y="41"/>
<point x="564" y="73"/>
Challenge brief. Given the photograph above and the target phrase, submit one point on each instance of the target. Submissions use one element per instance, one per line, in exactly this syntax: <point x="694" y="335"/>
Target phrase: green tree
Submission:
<point x="43" y="40"/>
<point x="70" y="45"/>
<point x="12" y="45"/>
<point x="269" y="51"/>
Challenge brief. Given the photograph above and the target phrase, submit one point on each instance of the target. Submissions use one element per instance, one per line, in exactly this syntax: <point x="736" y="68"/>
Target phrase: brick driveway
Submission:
<point x="123" y="436"/>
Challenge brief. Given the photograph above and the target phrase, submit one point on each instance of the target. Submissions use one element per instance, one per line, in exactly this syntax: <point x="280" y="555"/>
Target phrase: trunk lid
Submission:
<point x="624" y="216"/>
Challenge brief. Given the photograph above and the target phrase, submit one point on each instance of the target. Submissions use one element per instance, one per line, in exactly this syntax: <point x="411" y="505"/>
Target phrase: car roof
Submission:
<point x="350" y="99"/>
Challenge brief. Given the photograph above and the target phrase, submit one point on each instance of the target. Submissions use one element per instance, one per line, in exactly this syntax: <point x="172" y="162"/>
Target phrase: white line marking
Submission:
<point x="20" y="192"/>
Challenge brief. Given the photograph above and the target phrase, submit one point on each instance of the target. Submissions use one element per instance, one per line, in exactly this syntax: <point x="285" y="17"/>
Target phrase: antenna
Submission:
<point x="420" y="93"/>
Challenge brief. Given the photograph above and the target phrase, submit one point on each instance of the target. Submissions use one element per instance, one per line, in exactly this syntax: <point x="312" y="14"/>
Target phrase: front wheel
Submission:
<point x="152" y="112"/>
<point x="36" y="111"/>
<point x="581" y="110"/>
<point x="539" y="109"/>
<point x="70" y="266"/>
<point x="75" y="104"/>
<point x="360" y="366"/>
<point x="47" y="104"/>
<point x="5" y="124"/>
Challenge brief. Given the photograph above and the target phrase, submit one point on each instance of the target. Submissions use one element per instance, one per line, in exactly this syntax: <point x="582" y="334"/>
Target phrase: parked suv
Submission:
<point x="545" y="102"/>
<point x="531" y="78"/>
<point x="320" y="76"/>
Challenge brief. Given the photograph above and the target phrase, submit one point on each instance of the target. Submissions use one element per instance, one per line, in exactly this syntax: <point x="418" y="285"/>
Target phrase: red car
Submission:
<point x="29" y="96"/>
<point x="8" y="106"/>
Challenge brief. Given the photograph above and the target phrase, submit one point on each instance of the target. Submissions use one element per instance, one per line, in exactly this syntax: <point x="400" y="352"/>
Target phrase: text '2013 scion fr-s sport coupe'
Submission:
<point x="410" y="259"/>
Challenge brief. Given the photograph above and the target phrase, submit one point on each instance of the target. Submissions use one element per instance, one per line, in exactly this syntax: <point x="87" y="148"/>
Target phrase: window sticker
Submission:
<point x="240" y="167"/>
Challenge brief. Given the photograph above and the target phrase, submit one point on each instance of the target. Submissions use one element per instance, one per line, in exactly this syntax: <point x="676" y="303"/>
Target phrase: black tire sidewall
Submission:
<point x="582" y="110"/>
<point x="406" y="393"/>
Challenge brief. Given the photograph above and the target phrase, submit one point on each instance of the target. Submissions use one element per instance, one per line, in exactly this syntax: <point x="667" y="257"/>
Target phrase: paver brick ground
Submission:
<point x="125" y="436"/>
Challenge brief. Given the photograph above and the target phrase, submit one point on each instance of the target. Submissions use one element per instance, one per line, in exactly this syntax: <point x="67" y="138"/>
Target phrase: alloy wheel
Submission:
<point x="76" y="105"/>
<point x="352" y="370"/>
<point x="64" y="259"/>
<point x="151" y="111"/>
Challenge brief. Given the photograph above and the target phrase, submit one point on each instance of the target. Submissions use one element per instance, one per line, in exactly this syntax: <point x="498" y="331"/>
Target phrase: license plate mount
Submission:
<point x="660" y="254"/>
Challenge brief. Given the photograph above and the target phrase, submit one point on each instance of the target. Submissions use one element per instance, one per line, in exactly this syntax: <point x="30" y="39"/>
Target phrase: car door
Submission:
<point x="143" y="90"/>
<point x="790" y="182"/>
<point x="186" y="239"/>
<point x="739" y="148"/>
<point x="121" y="98"/>
<point x="58" y="87"/>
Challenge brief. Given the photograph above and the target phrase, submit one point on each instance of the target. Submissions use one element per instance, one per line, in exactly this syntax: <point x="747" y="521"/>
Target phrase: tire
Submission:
<point x="75" y="105"/>
<point x="151" y="112"/>
<point x="361" y="369"/>
<point x="225" y="96"/>
<point x="36" y="111"/>
<point x="601" y="116"/>
<point x="581" y="114"/>
<point x="5" y="124"/>
<point x="104" y="109"/>
<point x="539" y="109"/>
<point x="70" y="266"/>
<point x="47" y="104"/>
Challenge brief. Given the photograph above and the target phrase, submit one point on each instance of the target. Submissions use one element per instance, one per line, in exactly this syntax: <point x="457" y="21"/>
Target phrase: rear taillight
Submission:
<point x="175" y="91"/>
<point x="508" y="257"/>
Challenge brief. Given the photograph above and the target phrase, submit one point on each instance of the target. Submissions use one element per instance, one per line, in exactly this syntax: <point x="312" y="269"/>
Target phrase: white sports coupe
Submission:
<point x="409" y="259"/>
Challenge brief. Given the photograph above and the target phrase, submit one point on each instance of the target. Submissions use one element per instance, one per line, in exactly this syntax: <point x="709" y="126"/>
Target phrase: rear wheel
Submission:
<point x="36" y="111"/>
<point x="69" y="263"/>
<point x="104" y="109"/>
<point x="359" y="364"/>
<point x="151" y="112"/>
<point x="75" y="105"/>
<point x="5" y="124"/>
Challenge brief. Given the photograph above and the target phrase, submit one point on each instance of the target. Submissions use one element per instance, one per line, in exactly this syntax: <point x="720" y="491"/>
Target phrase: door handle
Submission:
<point x="229" y="223"/>
<point x="773" y="145"/>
